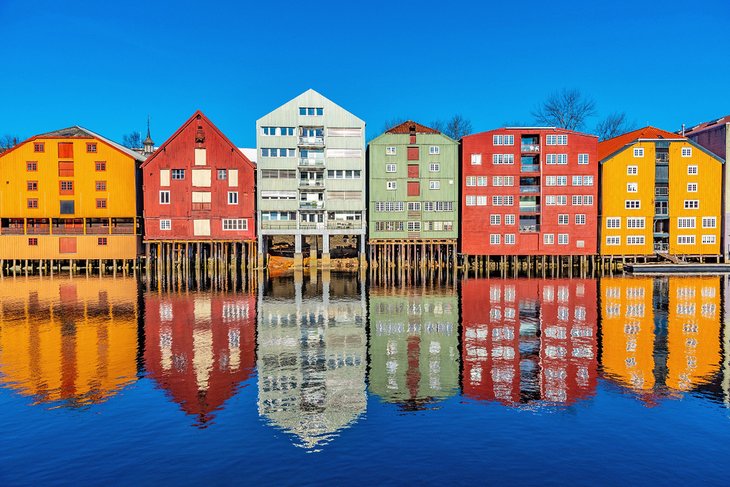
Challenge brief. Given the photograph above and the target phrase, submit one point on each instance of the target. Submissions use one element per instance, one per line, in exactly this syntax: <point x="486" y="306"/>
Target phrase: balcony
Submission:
<point x="278" y="225"/>
<point x="315" y="185"/>
<point x="344" y="224"/>
<point x="311" y="226"/>
<point x="530" y="209"/>
<point x="315" y="163"/>
<point x="529" y="228"/>
<point x="662" y="158"/>
<point x="97" y="230"/>
<point x="527" y="148"/>
<point x="123" y="230"/>
<point x="314" y="141"/>
<point x="311" y="205"/>
<point x="14" y="230"/>
<point x="529" y="189"/>
<point x="661" y="247"/>
<point x="530" y="168"/>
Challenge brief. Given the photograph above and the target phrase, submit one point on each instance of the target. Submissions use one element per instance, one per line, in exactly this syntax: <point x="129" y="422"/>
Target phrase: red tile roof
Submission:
<point x="706" y="125"/>
<point x="608" y="147"/>
<point x="405" y="128"/>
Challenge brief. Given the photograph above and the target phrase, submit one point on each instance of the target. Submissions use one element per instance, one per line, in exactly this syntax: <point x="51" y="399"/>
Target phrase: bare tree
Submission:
<point x="568" y="109"/>
<point x="456" y="127"/>
<point x="614" y="125"/>
<point x="8" y="142"/>
<point x="133" y="140"/>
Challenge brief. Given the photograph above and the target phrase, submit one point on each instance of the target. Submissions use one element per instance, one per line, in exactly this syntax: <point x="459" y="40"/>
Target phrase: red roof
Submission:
<point x="408" y="126"/>
<point x="610" y="146"/>
<point x="706" y="125"/>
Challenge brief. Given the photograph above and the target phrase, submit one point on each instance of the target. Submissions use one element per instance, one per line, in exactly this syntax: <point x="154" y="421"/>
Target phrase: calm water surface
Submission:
<point x="312" y="380"/>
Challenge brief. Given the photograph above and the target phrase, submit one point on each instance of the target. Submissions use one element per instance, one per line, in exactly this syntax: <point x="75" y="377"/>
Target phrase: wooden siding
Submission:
<point x="52" y="247"/>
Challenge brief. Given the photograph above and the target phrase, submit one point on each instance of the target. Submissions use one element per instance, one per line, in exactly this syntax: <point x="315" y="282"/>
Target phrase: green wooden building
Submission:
<point x="413" y="175"/>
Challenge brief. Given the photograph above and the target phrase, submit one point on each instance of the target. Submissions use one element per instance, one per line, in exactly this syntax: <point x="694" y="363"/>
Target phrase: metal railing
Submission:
<point x="530" y="209"/>
<point x="305" y="162"/>
<point x="311" y="205"/>
<point x="123" y="230"/>
<point x="529" y="228"/>
<point x="278" y="225"/>
<point x="530" y="147"/>
<point x="343" y="224"/>
<point x="661" y="247"/>
<point x="12" y="230"/>
<point x="312" y="141"/>
<point x="311" y="184"/>
<point x="529" y="189"/>
<point x="530" y="168"/>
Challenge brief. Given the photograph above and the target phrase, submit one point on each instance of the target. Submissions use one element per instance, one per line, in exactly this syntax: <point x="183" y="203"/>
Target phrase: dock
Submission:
<point x="678" y="268"/>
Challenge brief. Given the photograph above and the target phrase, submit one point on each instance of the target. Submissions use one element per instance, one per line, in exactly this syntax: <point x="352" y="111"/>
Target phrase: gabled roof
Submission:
<point x="708" y="125"/>
<point x="408" y="126"/>
<point x="82" y="133"/>
<point x="528" y="129"/>
<point x="190" y="120"/>
<point x="611" y="146"/>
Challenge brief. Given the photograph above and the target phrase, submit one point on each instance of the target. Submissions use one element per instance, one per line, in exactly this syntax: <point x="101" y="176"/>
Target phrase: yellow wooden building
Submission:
<point x="69" y="195"/>
<point x="660" y="193"/>
<point x="68" y="341"/>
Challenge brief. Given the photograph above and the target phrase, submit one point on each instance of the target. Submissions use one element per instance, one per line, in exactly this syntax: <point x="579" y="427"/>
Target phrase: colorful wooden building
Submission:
<point x="69" y="195"/>
<point x="413" y="172"/>
<point x="661" y="194"/>
<point x="715" y="137"/>
<point x="200" y="350"/>
<point x="199" y="189"/>
<point x="529" y="191"/>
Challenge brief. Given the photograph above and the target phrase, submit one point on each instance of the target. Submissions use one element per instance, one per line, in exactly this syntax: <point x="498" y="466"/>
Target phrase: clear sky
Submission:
<point x="107" y="65"/>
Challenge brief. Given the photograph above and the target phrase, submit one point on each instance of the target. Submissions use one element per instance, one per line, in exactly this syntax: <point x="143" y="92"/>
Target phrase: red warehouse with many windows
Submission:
<point x="529" y="191"/>
<point x="199" y="186"/>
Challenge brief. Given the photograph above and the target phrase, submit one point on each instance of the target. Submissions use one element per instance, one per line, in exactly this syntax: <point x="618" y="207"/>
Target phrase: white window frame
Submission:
<point x="434" y="185"/>
<point x="434" y="167"/>
<point x="613" y="222"/>
<point x="638" y="152"/>
<point x="391" y="168"/>
<point x="548" y="238"/>
<point x="693" y="170"/>
<point x="476" y="159"/>
<point x="165" y="225"/>
<point x="709" y="222"/>
<point x="613" y="240"/>
<point x="434" y="150"/>
<point x="233" y="197"/>
<point x="686" y="151"/>
<point x="391" y="185"/>
<point x="632" y="170"/>
<point x="165" y="197"/>
<point x="691" y="187"/>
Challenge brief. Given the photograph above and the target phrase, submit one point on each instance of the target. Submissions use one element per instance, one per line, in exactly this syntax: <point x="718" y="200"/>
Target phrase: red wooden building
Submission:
<point x="529" y="191"/>
<point x="201" y="348"/>
<point x="535" y="340"/>
<point x="199" y="187"/>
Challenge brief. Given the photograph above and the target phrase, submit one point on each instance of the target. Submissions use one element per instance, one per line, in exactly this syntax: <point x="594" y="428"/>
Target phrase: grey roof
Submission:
<point x="81" y="132"/>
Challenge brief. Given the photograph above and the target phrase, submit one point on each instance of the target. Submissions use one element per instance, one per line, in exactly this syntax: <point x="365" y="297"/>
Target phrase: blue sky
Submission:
<point x="108" y="65"/>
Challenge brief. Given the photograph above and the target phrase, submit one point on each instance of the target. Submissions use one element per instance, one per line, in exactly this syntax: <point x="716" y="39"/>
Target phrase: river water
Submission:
<point x="313" y="379"/>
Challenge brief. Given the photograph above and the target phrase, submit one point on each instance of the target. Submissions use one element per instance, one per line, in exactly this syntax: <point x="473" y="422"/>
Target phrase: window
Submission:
<point x="639" y="152"/>
<point x="509" y="219"/>
<point x="343" y="174"/>
<point x="222" y="174"/>
<point x="561" y="200"/>
<point x="277" y="130"/>
<point x="471" y="180"/>
<point x="583" y="159"/>
<point x="691" y="204"/>
<point x="390" y="151"/>
<point x="100" y="185"/>
<point x="178" y="174"/>
<point x="165" y="224"/>
<point x="562" y="219"/>
<point x="390" y="185"/>
<point x="692" y="170"/>
<point x="577" y="181"/>
<point x="562" y="158"/>
<point x="481" y="201"/>
<point x="100" y="166"/>
<point x="101" y="240"/>
<point x="708" y="239"/>
<point x="391" y="167"/>
<point x="562" y="140"/>
<point x="503" y="140"/>
<point x="434" y="150"/>
<point x="434" y="185"/>
<point x="91" y="147"/>
<point x="389" y="206"/>
<point x="101" y="203"/>
<point x="33" y="242"/>
<point x="576" y="200"/>
<point x="691" y="187"/>
<point x="233" y="224"/>
<point x="32" y="185"/>
<point x="66" y="187"/>
<point x="434" y="167"/>
<point x="685" y="222"/>
<point x="685" y="239"/>
<point x="587" y="199"/>
<point x="613" y="240"/>
<point x="39" y="147"/>
<point x="632" y="204"/>
<point x="278" y="174"/>
<point x="494" y="239"/>
<point x="509" y="200"/>
<point x="709" y="222"/>
<point x="32" y="203"/>
<point x="635" y="222"/>
<point x="476" y="159"/>
<point x="587" y="180"/>
<point x="482" y="181"/>
<point x="686" y="152"/>
<point x="613" y="222"/>
<point x="414" y="226"/>
<point x="495" y="219"/>
<point x="414" y="206"/>
<point x="551" y="140"/>
<point x="635" y="240"/>
<point x="311" y="111"/>
<point x="471" y="200"/>
<point x="233" y="197"/>
<point x="551" y="181"/>
<point x="31" y="166"/>
<point x="562" y="239"/>
<point x="67" y="208"/>
<point x="548" y="238"/>
<point x="164" y="197"/>
<point x="503" y="158"/>
<point x="497" y="201"/>
<point x="551" y="159"/>
<point x="509" y="239"/>
<point x="561" y="180"/>
<point x="632" y="187"/>
<point x="580" y="219"/>
<point x="269" y="152"/>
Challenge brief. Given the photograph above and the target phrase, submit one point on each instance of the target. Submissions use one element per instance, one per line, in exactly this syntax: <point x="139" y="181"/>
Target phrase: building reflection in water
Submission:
<point x="661" y="334"/>
<point x="529" y="340"/>
<point x="72" y="342"/>
<point x="200" y="347"/>
<point x="414" y="357"/>
<point x="312" y="356"/>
